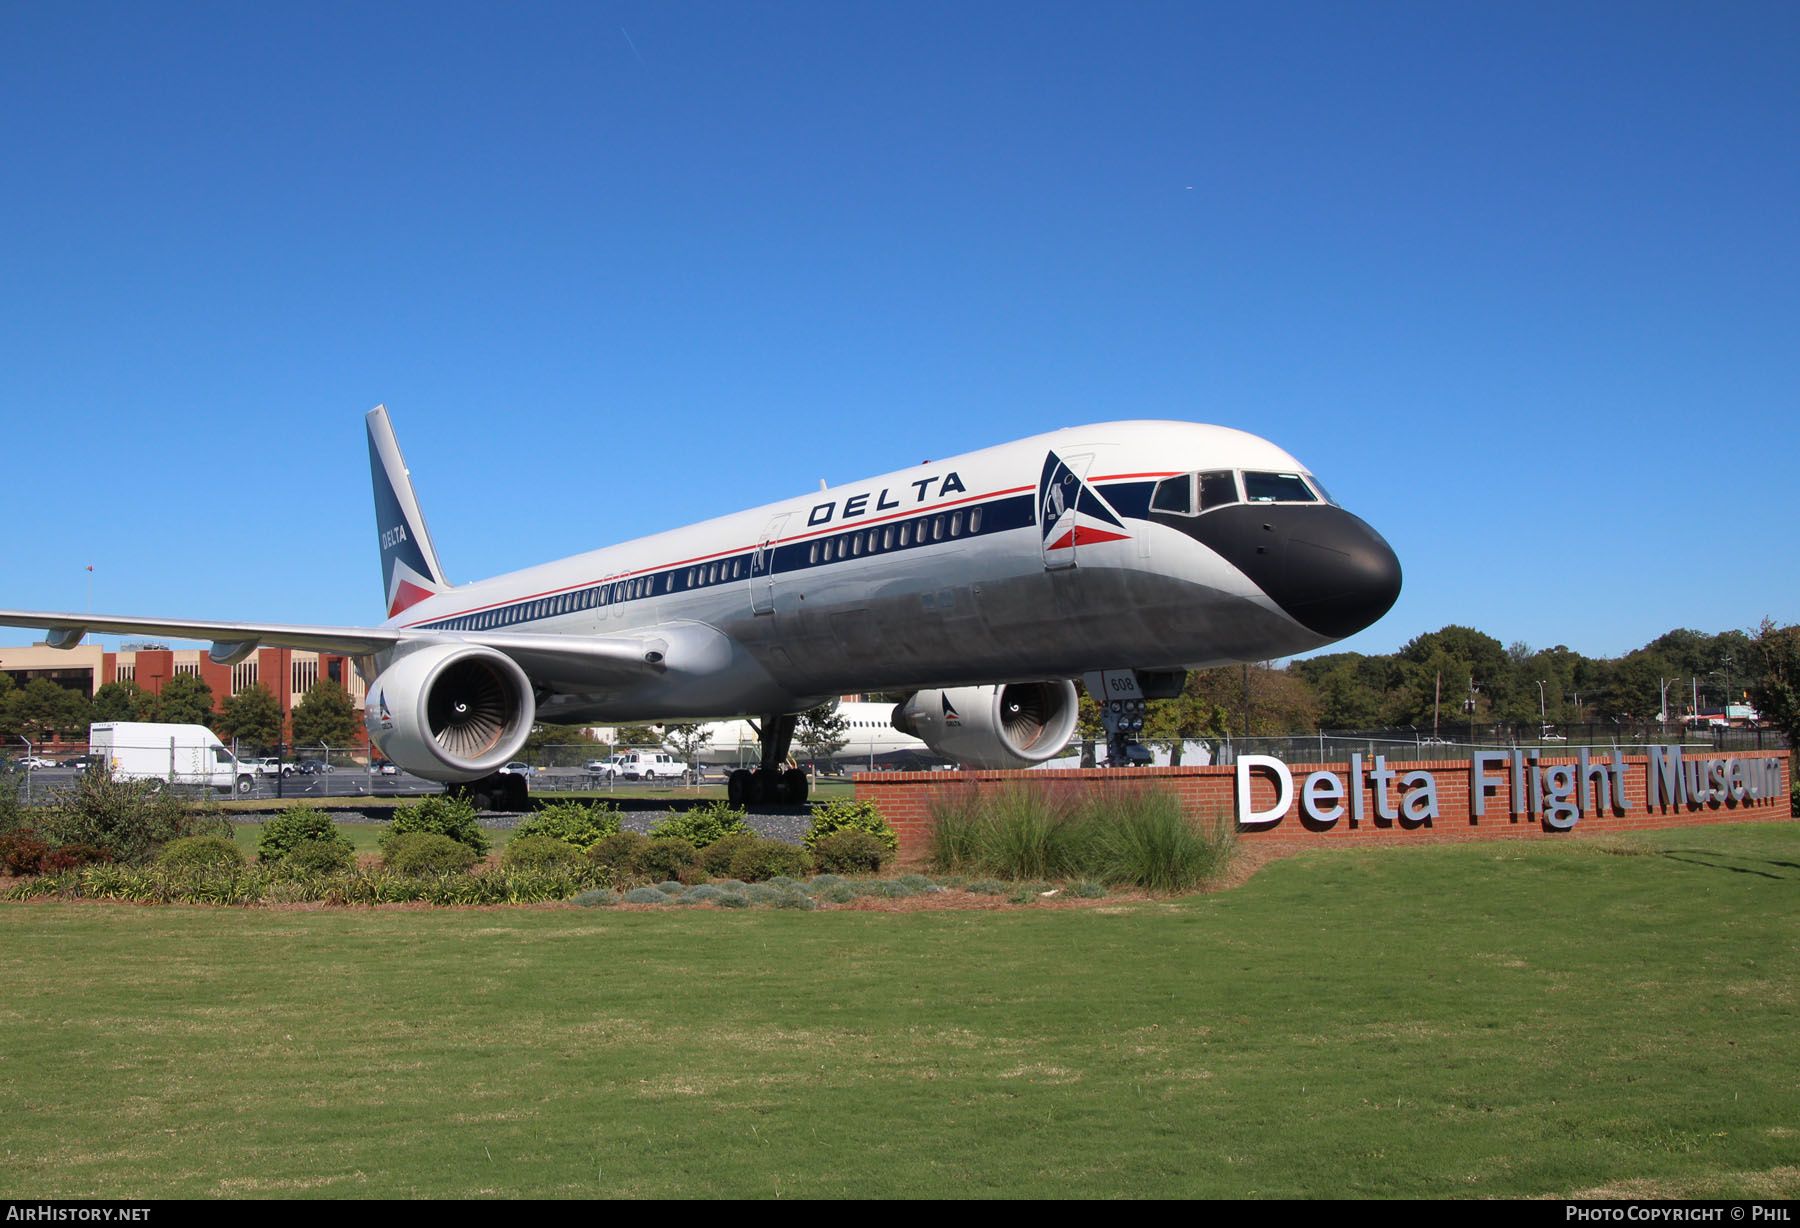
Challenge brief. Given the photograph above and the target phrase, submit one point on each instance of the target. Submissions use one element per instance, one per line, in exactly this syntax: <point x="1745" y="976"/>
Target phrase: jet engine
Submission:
<point x="1011" y="726"/>
<point x="450" y="712"/>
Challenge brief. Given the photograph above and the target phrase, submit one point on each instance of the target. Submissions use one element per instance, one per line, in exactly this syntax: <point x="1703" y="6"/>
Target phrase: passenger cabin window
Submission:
<point x="1277" y="488"/>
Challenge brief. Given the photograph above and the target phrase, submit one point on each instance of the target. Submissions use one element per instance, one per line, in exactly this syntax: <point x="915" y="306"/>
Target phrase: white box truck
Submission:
<point x="178" y="754"/>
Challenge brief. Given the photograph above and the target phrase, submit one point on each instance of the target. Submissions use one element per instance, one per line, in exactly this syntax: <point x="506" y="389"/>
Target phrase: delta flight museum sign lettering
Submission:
<point x="1559" y="794"/>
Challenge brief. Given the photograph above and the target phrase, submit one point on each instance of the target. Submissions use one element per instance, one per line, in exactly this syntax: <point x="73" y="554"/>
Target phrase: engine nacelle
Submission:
<point x="1011" y="726"/>
<point x="450" y="712"/>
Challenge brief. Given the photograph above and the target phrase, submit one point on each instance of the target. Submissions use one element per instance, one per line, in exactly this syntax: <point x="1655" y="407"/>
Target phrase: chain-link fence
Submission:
<point x="202" y="768"/>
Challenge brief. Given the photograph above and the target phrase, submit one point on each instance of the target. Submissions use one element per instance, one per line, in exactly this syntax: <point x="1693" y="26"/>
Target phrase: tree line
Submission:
<point x="1458" y="676"/>
<point x="41" y="710"/>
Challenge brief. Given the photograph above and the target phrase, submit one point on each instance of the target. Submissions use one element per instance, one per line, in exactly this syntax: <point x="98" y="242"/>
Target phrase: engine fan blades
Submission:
<point x="468" y="710"/>
<point x="1024" y="711"/>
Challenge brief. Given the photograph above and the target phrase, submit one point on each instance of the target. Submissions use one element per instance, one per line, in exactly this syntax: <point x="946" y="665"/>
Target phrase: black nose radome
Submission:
<point x="1325" y="567"/>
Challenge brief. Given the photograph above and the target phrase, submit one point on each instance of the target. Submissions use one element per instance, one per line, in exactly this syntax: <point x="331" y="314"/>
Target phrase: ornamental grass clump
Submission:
<point x="1022" y="831"/>
<point x="1125" y="836"/>
<point x="1143" y="839"/>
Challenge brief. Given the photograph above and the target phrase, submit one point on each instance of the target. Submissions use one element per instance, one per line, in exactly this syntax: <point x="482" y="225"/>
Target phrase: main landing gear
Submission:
<point x="501" y="791"/>
<point x="770" y="783"/>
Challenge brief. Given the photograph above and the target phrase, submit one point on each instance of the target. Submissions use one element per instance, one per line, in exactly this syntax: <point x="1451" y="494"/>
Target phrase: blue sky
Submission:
<point x="1521" y="282"/>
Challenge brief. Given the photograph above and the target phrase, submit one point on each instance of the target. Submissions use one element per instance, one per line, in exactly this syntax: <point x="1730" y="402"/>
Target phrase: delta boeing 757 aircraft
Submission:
<point x="1122" y="553"/>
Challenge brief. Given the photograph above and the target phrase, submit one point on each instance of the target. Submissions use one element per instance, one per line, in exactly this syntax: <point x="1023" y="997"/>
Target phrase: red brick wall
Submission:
<point x="905" y="799"/>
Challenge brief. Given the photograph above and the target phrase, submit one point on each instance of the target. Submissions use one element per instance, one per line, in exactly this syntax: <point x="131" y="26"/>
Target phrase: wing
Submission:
<point x="599" y="661"/>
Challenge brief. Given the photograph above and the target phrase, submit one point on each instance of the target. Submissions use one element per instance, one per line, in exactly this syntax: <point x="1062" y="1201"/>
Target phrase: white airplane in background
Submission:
<point x="869" y="737"/>
<point x="1123" y="553"/>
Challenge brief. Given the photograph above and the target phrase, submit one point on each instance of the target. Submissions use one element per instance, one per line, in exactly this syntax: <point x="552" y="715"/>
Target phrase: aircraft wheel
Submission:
<point x="517" y="793"/>
<point x="737" y="786"/>
<point x="756" y="789"/>
<point x="794" y="786"/>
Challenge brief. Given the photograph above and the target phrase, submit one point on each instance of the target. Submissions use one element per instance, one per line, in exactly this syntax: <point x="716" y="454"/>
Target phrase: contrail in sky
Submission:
<point x="633" y="46"/>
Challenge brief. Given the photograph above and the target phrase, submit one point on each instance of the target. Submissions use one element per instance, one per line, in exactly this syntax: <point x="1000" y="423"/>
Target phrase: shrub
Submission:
<point x="716" y="857"/>
<point x="765" y="859"/>
<point x="13" y="815"/>
<point x="540" y="853"/>
<point x="441" y="815"/>
<point x="671" y="857"/>
<point x="703" y="825"/>
<point x="74" y="856"/>
<point x="645" y="895"/>
<point x="621" y="853"/>
<point x="851" y="852"/>
<point x="21" y="852"/>
<point x="839" y="816"/>
<point x="295" y="826"/>
<point x="133" y="818"/>
<point x="596" y="897"/>
<point x="418" y="853"/>
<point x="578" y="823"/>
<point x="320" y="857"/>
<point x="201" y="853"/>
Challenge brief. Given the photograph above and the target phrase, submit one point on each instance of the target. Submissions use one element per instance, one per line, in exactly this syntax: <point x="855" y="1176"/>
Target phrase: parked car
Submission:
<point x="270" y="765"/>
<point x="601" y="767"/>
<point x="385" y="767"/>
<point x="519" y="767"/>
<point x="308" y="767"/>
<point x="33" y="763"/>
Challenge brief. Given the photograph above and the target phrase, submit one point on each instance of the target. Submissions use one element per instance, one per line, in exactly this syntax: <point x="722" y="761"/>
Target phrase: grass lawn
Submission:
<point x="1553" y="1018"/>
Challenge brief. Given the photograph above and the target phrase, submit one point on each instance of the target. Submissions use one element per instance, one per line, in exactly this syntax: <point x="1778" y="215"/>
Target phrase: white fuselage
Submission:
<point x="939" y="575"/>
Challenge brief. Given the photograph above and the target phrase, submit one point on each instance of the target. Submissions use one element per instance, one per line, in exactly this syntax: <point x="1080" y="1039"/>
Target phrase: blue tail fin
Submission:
<point x="409" y="566"/>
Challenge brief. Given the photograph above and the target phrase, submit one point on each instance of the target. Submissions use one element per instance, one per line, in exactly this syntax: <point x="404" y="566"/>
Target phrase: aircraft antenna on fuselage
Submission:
<point x="410" y="571"/>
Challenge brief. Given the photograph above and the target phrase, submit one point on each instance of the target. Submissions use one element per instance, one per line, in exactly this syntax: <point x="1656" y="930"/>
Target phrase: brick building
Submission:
<point x="288" y="673"/>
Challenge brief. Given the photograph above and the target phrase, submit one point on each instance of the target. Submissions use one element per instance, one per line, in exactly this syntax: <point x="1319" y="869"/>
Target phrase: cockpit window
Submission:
<point x="1277" y="488"/>
<point x="1174" y="495"/>
<point x="1217" y="488"/>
